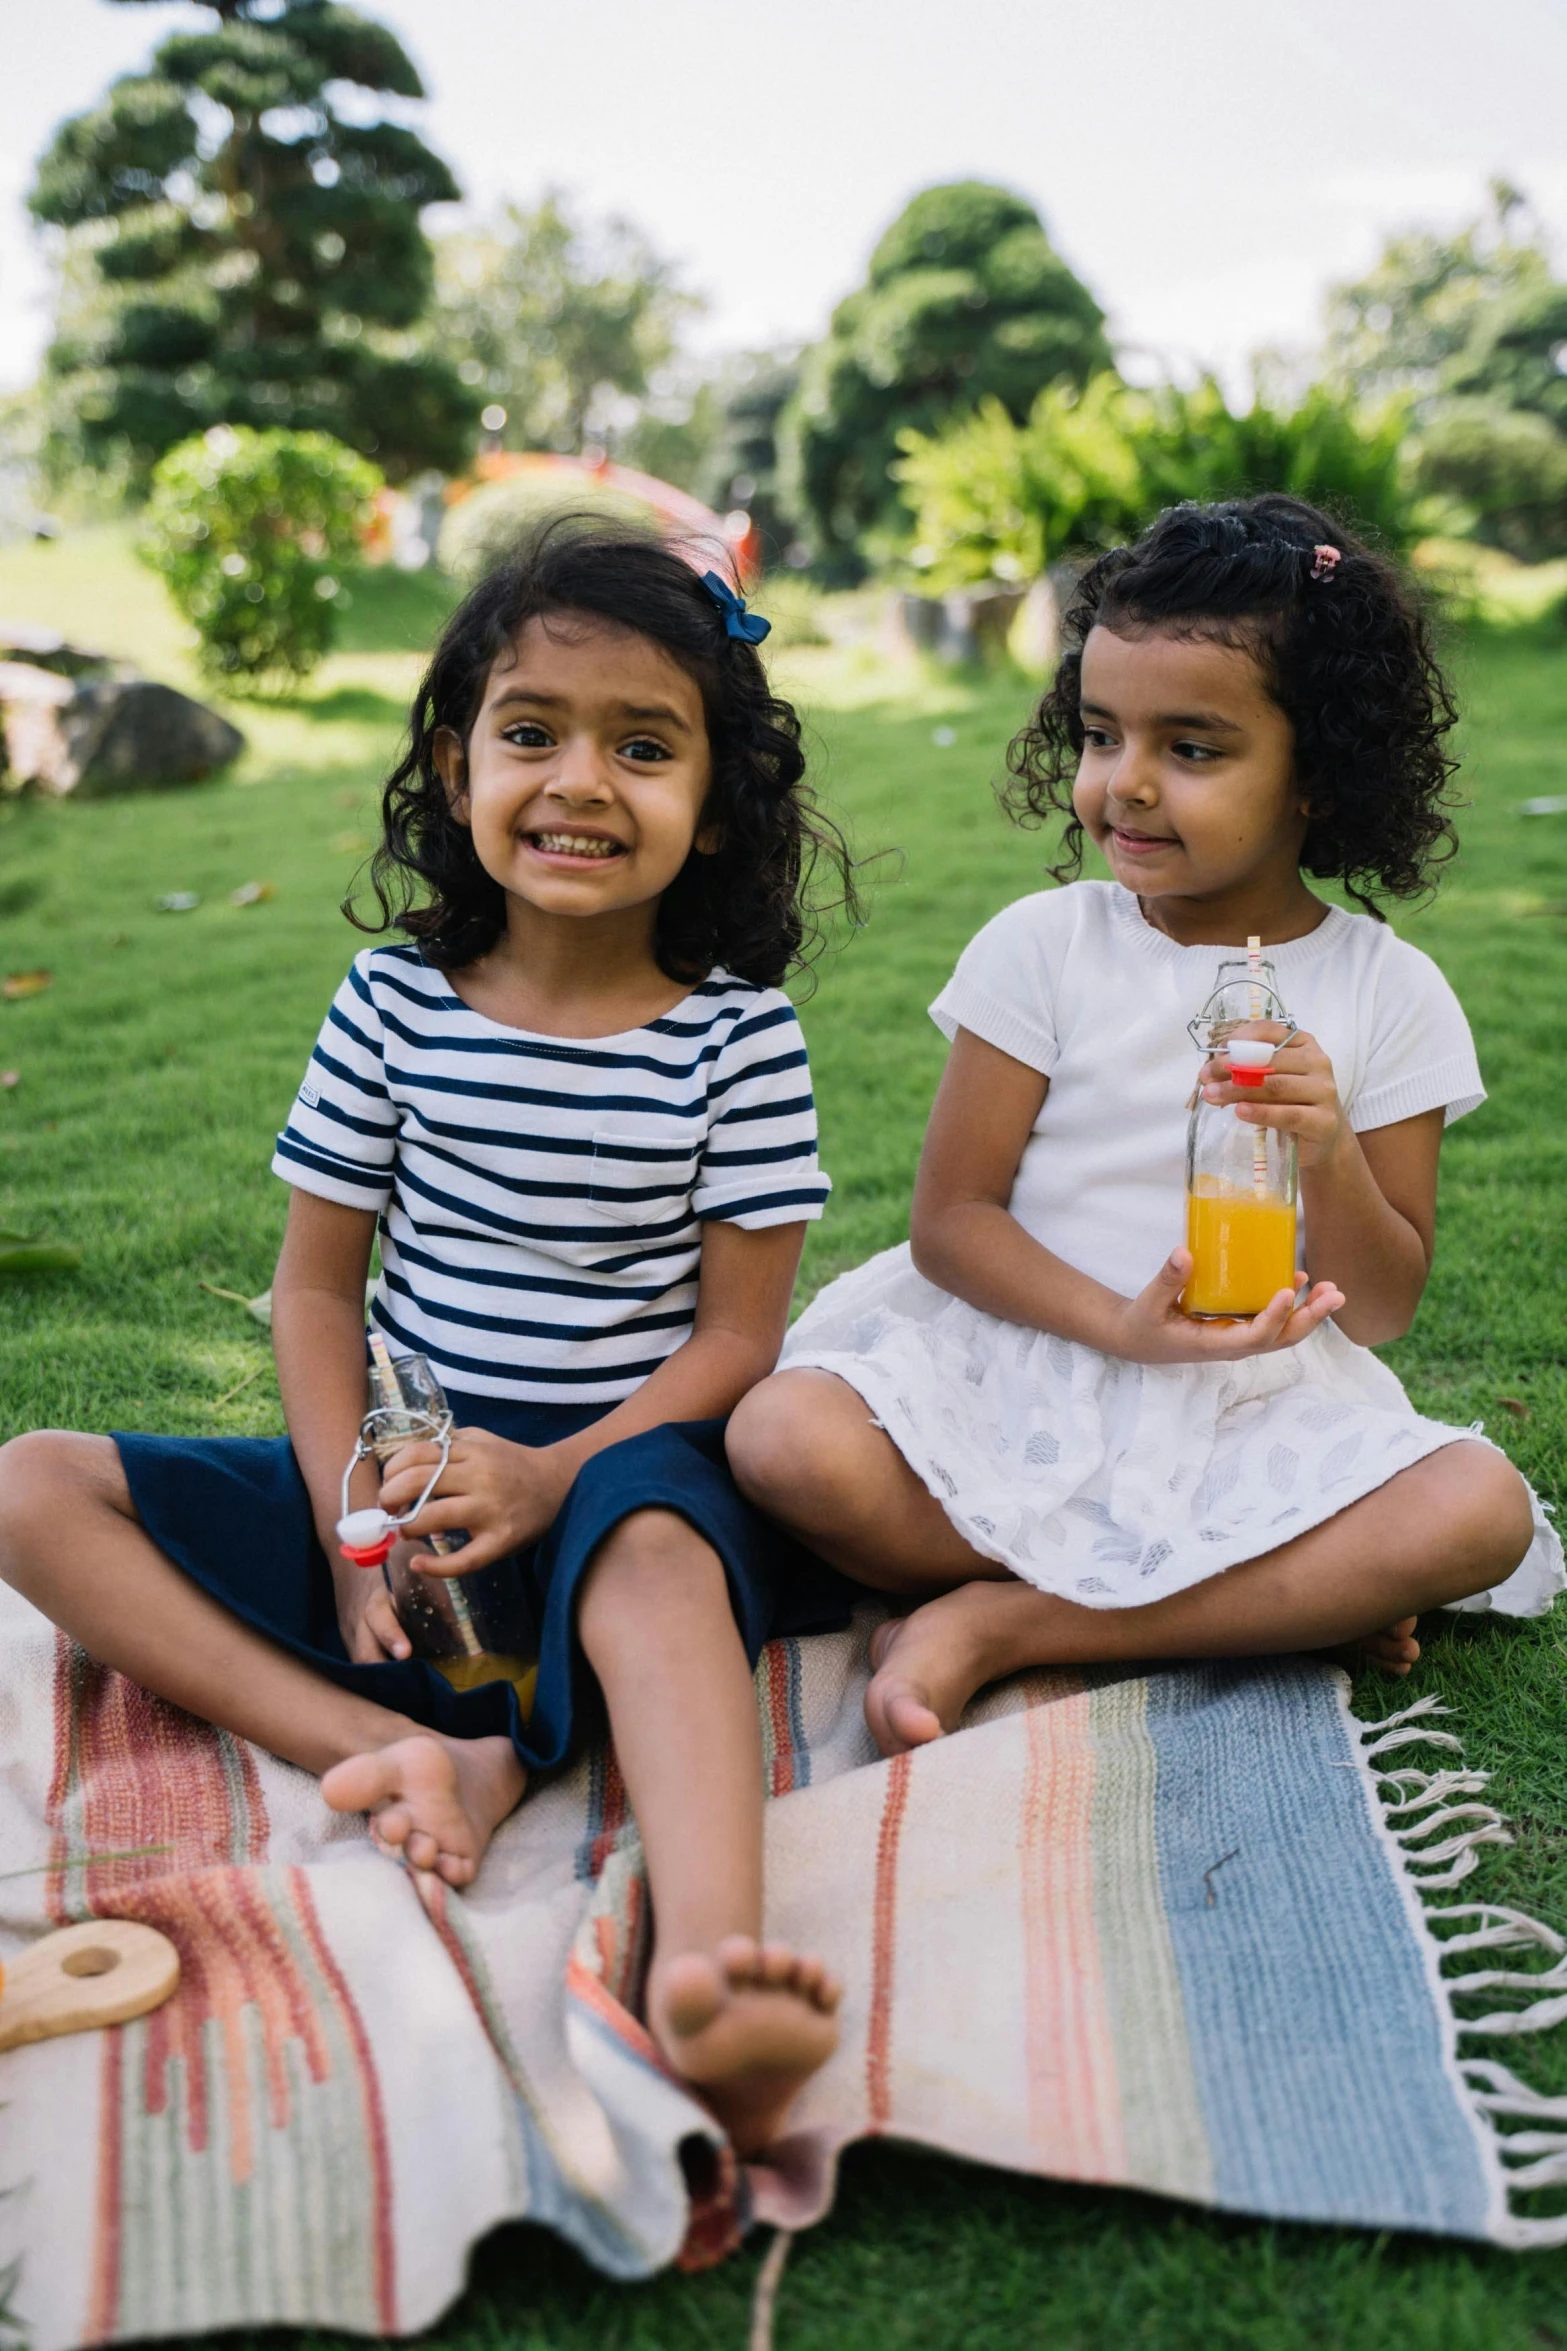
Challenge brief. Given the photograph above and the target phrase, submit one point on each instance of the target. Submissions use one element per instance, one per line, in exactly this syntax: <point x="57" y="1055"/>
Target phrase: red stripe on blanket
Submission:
<point x="104" y="2305"/>
<point x="65" y="1655"/>
<point x="608" y="1812"/>
<point x="878" y="2039"/>
<point x="776" y="1657"/>
<point x="1073" y="2099"/>
<point x="377" y="2143"/>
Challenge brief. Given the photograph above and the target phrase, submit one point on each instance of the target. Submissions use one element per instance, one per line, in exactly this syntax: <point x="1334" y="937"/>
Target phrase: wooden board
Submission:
<point x="103" y="1972"/>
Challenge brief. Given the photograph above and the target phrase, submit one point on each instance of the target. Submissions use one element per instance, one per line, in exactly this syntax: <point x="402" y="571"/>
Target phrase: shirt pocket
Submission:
<point x="643" y="1172"/>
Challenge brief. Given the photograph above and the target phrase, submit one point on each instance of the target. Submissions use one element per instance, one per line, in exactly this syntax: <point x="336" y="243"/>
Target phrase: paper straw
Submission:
<point x="383" y="1373"/>
<point x="1259" y="1140"/>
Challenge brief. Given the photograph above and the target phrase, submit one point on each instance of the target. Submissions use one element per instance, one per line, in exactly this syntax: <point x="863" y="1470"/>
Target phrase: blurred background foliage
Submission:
<point x="238" y="242"/>
<point x="992" y="498"/>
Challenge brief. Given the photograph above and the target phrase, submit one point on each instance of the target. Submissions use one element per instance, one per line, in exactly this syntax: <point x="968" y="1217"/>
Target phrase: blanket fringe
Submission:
<point x="764" y="2301"/>
<point x="1416" y="1807"/>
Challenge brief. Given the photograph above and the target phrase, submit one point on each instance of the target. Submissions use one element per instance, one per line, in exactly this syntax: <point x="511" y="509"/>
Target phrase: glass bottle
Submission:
<point x="473" y="1628"/>
<point x="1241" y="1180"/>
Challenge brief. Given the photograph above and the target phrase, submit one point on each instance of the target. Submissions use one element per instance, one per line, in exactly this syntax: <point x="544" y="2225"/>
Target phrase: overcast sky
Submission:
<point x="1209" y="166"/>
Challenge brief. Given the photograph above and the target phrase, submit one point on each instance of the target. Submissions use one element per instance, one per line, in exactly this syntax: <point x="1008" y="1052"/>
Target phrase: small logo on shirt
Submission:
<point x="309" y="1095"/>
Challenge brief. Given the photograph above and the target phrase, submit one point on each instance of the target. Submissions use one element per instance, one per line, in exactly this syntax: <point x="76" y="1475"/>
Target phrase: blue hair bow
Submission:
<point x="749" y="627"/>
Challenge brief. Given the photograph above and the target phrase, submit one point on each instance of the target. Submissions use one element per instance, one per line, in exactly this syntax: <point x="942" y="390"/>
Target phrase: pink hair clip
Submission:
<point x="1325" y="562"/>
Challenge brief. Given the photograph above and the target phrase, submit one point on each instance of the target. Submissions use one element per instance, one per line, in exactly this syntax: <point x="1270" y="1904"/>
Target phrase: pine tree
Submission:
<point x="257" y="252"/>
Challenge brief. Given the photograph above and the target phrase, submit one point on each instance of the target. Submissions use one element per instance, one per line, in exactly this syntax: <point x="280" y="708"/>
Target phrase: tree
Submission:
<point x="256" y="249"/>
<point x="966" y="299"/>
<point x="743" y="469"/>
<point x="563" y="324"/>
<point x="1401" y="326"/>
<point x="1516" y="355"/>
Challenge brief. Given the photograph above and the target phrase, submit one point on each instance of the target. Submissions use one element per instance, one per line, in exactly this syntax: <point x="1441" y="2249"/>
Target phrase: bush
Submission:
<point x="1086" y="469"/>
<point x="487" y="525"/>
<point x="249" y="532"/>
<point x="1501" y="474"/>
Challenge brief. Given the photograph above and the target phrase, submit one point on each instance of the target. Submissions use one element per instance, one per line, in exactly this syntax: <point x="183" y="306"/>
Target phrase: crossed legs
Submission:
<point x="744" y="2022"/>
<point x="805" y="1449"/>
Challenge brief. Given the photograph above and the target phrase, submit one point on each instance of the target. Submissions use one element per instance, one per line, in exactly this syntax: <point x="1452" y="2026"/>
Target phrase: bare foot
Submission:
<point x="1392" y="1647"/>
<point x="437" y="1802"/>
<point x="927" y="1666"/>
<point x="746" y="2030"/>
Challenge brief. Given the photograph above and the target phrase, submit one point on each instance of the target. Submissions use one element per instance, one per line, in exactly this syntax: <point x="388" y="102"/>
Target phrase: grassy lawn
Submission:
<point x="155" y="1069"/>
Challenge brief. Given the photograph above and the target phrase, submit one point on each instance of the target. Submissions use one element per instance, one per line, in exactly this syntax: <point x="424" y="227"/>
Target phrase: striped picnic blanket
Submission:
<point x="1159" y="1931"/>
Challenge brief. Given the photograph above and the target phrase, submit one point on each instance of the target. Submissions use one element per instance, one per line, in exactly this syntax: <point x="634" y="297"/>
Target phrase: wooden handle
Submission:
<point x="103" y="1972"/>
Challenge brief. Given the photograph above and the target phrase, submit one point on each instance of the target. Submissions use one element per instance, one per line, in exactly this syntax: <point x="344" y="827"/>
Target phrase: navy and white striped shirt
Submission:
<point x="541" y="1199"/>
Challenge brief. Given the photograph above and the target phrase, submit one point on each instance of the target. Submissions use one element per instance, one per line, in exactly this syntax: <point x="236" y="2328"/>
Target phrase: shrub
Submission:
<point x="487" y="524"/>
<point x="1086" y="469"/>
<point x="249" y="532"/>
<point x="1501" y="474"/>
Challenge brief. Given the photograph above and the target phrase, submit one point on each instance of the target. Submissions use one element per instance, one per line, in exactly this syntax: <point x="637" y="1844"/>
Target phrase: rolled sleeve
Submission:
<point x="760" y="1167"/>
<point x="341" y="1138"/>
<point x="1422" y="1054"/>
<point x="1001" y="989"/>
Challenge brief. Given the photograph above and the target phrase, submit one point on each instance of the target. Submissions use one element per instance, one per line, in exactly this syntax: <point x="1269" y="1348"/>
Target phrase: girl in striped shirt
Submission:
<point x="575" y="1108"/>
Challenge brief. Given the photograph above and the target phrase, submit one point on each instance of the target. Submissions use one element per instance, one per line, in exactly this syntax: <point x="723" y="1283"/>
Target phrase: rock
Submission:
<point x="46" y="649"/>
<point x="94" y="736"/>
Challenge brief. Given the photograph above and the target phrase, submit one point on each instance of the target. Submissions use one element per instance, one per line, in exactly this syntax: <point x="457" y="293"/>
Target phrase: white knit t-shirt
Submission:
<point x="1075" y="984"/>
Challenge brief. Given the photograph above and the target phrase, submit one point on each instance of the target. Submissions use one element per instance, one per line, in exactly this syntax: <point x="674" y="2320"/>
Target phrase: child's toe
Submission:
<point x="777" y="1967"/>
<point x="421" y="1849"/>
<point x="741" y="1960"/>
<point x="392" y="1827"/>
<point x="817" y="1984"/>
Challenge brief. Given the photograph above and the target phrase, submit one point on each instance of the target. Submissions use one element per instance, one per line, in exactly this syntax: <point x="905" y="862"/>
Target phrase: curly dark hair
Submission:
<point x="749" y="905"/>
<point x="1347" y="658"/>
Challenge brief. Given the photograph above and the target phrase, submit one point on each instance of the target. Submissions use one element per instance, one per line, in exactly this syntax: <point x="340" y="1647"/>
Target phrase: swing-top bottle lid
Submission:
<point x="1248" y="1058"/>
<point x="366" y="1537"/>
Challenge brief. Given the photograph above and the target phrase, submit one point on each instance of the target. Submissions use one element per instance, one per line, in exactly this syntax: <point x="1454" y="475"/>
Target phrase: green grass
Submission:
<point x="154" y="1071"/>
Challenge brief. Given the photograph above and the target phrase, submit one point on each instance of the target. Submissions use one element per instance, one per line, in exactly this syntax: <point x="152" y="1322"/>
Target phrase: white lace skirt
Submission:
<point x="1115" y="1484"/>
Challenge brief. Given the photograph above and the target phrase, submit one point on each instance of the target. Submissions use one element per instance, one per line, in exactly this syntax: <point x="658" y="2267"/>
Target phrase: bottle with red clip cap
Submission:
<point x="1241" y="1180"/>
<point x="472" y="1628"/>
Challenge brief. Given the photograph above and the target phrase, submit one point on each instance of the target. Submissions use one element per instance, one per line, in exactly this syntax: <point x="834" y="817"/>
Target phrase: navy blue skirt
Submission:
<point x="234" y="1514"/>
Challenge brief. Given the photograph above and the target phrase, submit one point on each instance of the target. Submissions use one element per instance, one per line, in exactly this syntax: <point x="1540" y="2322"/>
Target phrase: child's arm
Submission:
<point x="965" y="1238"/>
<point x="506" y="1495"/>
<point x="318" y="1338"/>
<point x="1370" y="1200"/>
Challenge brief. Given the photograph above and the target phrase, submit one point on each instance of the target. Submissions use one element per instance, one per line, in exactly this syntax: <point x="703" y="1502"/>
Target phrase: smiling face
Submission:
<point x="586" y="771"/>
<point x="1187" y="778"/>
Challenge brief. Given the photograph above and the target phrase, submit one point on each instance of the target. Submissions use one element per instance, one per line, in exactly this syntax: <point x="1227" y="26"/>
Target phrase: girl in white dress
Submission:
<point x="1011" y="1419"/>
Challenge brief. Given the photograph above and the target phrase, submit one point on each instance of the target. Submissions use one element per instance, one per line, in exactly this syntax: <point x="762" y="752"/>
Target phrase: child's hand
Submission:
<point x="1298" y="1097"/>
<point x="366" y="1618"/>
<point x="1154" y="1330"/>
<point x="502" y="1495"/>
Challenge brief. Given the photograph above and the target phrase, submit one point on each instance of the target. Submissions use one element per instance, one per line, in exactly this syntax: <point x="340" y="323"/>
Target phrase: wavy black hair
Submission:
<point x="1347" y="657"/>
<point x="749" y="904"/>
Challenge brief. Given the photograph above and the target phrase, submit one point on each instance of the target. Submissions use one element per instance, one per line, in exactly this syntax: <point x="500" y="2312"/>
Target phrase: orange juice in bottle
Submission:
<point x="1241" y="1180"/>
